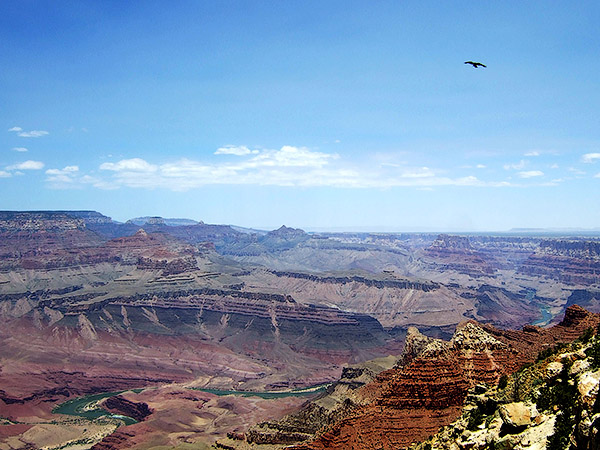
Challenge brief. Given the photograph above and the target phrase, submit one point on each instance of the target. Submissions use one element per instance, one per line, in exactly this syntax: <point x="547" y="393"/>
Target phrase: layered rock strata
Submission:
<point x="427" y="388"/>
<point x="569" y="261"/>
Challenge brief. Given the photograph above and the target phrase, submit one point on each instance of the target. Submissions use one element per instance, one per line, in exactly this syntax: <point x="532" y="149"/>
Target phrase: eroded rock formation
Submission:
<point x="426" y="389"/>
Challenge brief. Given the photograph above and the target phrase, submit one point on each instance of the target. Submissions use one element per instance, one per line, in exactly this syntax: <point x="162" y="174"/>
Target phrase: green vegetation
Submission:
<point x="562" y="431"/>
<point x="503" y="382"/>
<point x="475" y="419"/>
<point x="594" y="353"/>
<point x="546" y="353"/>
<point x="586" y="336"/>
<point x="563" y="395"/>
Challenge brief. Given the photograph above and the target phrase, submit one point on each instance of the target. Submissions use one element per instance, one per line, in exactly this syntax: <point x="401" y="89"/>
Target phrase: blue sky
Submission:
<point x="353" y="115"/>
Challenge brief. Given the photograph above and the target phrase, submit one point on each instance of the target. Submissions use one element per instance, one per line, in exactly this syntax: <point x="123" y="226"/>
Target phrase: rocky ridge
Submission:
<point x="553" y="404"/>
<point x="456" y="253"/>
<point x="424" y="391"/>
<point x="575" y="262"/>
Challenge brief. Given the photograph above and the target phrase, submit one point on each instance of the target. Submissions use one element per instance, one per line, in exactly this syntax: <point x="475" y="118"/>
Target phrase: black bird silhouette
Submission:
<point x="475" y="64"/>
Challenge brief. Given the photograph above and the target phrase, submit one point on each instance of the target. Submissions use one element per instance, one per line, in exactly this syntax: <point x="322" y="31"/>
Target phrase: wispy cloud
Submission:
<point x="27" y="165"/>
<point x="287" y="166"/>
<point x="28" y="134"/>
<point x="478" y="166"/>
<point x="62" y="178"/>
<point x="32" y="133"/>
<point x="597" y="175"/>
<point x="577" y="172"/>
<point x="532" y="153"/>
<point x="130" y="165"/>
<point x="239" y="150"/>
<point x="518" y="166"/>
<point x="5" y="174"/>
<point x="19" y="149"/>
<point x="589" y="158"/>
<point x="531" y="174"/>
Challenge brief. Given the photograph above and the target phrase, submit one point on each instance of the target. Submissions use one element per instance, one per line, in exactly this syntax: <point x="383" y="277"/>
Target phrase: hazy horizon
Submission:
<point x="317" y="116"/>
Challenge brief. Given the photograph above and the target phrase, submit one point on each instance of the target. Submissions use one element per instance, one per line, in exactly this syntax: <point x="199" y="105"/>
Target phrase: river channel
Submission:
<point x="269" y="394"/>
<point x="88" y="406"/>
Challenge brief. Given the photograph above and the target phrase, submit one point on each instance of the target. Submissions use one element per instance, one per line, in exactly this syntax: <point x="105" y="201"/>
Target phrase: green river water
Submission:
<point x="87" y="407"/>
<point x="268" y="394"/>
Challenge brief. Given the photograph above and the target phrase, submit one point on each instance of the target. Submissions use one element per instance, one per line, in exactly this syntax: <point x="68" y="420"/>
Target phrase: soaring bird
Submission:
<point x="475" y="64"/>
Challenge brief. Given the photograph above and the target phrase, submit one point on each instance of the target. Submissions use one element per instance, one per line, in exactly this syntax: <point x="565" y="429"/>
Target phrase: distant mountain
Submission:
<point x="156" y="220"/>
<point x="249" y="230"/>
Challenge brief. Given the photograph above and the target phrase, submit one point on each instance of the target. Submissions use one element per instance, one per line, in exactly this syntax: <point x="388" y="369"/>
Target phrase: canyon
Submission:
<point x="89" y="305"/>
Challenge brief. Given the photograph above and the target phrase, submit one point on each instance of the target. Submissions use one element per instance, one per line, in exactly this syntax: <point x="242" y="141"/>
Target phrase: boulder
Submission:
<point x="516" y="414"/>
<point x="553" y="369"/>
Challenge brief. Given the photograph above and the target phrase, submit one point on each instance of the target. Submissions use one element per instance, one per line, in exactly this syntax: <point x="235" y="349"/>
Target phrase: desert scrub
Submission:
<point x="503" y="382"/>
<point x="593" y="352"/>
<point x="547" y="352"/>
<point x="475" y="419"/>
<point x="563" y="395"/>
<point x="586" y="336"/>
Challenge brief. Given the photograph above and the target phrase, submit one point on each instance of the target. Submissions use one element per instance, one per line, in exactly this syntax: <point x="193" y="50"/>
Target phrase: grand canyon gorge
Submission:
<point x="162" y="333"/>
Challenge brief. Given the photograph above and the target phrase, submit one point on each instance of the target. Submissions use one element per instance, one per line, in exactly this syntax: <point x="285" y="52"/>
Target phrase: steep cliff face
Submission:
<point x="427" y="388"/>
<point x="392" y="299"/>
<point x="569" y="261"/>
<point x="552" y="404"/>
<point x="120" y="405"/>
<point x="29" y="222"/>
<point x="456" y="253"/>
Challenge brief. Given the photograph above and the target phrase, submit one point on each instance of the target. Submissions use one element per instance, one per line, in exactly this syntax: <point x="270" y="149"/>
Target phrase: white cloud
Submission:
<point x="531" y="174"/>
<point x="481" y="166"/>
<point x="287" y="166"/>
<point x="62" y="178"/>
<point x="590" y="157"/>
<point x="27" y="165"/>
<point x="289" y="156"/>
<point x="597" y="175"/>
<point x="239" y="150"/>
<point x="576" y="171"/>
<point x="532" y="153"/>
<point x="422" y="172"/>
<point x="5" y="174"/>
<point x="129" y="165"/>
<point x="68" y="170"/>
<point x="32" y="133"/>
<point x="518" y="166"/>
<point x="554" y="166"/>
<point x="19" y="149"/>
<point x="28" y="134"/>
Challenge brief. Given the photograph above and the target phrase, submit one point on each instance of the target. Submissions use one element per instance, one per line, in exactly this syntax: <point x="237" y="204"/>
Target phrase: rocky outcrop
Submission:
<point x="427" y="388"/>
<point x="36" y="221"/>
<point x="535" y="408"/>
<point x="117" y="440"/>
<point x="586" y="298"/>
<point x="120" y="405"/>
<point x="287" y="233"/>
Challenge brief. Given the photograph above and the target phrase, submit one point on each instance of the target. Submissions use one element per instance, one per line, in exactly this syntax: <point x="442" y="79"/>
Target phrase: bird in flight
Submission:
<point x="475" y="64"/>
